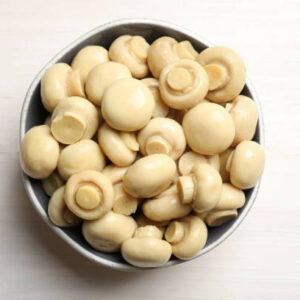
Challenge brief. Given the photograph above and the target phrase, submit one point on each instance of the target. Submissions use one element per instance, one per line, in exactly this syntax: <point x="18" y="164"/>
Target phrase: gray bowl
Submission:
<point x="33" y="114"/>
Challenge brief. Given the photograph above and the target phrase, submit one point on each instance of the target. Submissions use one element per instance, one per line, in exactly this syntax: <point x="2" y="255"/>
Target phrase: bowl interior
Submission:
<point x="33" y="114"/>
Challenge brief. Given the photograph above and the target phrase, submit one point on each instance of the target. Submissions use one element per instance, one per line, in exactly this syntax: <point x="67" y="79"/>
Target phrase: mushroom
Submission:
<point x="187" y="236"/>
<point x="190" y="160"/>
<point x="231" y="198"/>
<point x="80" y="156"/>
<point x="109" y="232"/>
<point x="146" y="249"/>
<point x="183" y="84"/>
<point x="114" y="173"/>
<point x="209" y="128"/>
<point x="52" y="183"/>
<point x="202" y="187"/>
<point x="244" y="113"/>
<point x="246" y="164"/>
<point x="88" y="58"/>
<point x="39" y="152"/>
<point x="161" y="109"/>
<point x="226" y="72"/>
<point x="220" y="217"/>
<point x="142" y="221"/>
<point x="132" y="51"/>
<point x="74" y="119"/>
<point x="89" y="194"/>
<point x="149" y="176"/>
<point x="162" y="135"/>
<point x="58" y="83"/>
<point x="103" y="76"/>
<point x="166" y="50"/>
<point x="119" y="146"/>
<point x="223" y="161"/>
<point x="166" y="206"/>
<point x="127" y="105"/>
<point x="58" y="213"/>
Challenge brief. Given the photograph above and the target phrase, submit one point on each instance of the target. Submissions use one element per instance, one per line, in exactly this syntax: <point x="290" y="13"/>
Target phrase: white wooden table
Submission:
<point x="261" y="260"/>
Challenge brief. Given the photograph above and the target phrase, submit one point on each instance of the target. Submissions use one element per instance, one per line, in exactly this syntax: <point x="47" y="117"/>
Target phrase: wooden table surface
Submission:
<point x="261" y="260"/>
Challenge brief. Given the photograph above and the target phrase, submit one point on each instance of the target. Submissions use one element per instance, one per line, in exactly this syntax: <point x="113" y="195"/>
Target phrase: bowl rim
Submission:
<point x="22" y="126"/>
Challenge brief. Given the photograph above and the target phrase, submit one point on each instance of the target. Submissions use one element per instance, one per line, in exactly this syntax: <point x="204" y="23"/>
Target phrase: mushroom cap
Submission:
<point x="244" y="113"/>
<point x="116" y="145"/>
<point x="88" y="58"/>
<point x="162" y="135"/>
<point x="114" y="173"/>
<point x="183" y="84"/>
<point x="226" y="72"/>
<point x="127" y="105"/>
<point x="132" y="51"/>
<point x="246" y="164"/>
<point x="209" y="128"/>
<point x="231" y="198"/>
<point x="58" y="212"/>
<point x="81" y="156"/>
<point x="103" y="76"/>
<point x="52" y="183"/>
<point x="109" y="232"/>
<point x="149" y="176"/>
<point x="39" y="152"/>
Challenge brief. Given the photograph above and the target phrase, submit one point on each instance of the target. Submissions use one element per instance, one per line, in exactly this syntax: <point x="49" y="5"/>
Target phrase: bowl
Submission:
<point x="33" y="114"/>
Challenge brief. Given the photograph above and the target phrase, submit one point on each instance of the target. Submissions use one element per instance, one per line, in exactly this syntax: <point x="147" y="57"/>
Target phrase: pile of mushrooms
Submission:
<point x="145" y="146"/>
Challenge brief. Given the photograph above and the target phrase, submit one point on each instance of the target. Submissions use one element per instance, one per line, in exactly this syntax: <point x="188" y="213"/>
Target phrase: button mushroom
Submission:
<point x="52" y="183"/>
<point x="149" y="176"/>
<point x="244" y="113"/>
<point x="162" y="135"/>
<point x="58" y="212"/>
<point x="109" y="232"/>
<point x="39" y="152"/>
<point x="80" y="156"/>
<point x="58" y="83"/>
<point x="89" y="194"/>
<point x="127" y="105"/>
<point x="187" y="236"/>
<point x="202" y="187"/>
<point x="74" y="119"/>
<point x="226" y="72"/>
<point x="183" y="84"/>
<point x="88" y="58"/>
<point x="209" y="128"/>
<point x="146" y="249"/>
<point x="119" y="146"/>
<point x="246" y="164"/>
<point x="101" y="77"/>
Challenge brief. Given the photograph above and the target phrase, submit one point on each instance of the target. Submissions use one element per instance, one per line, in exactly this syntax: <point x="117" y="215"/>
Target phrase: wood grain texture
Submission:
<point x="261" y="260"/>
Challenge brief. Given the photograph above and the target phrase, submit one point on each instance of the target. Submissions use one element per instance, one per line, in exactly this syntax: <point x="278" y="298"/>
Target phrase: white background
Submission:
<point x="261" y="260"/>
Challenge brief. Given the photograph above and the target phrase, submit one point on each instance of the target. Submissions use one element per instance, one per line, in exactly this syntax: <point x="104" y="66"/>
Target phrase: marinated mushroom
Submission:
<point x="81" y="156"/>
<point x="246" y="164"/>
<point x="190" y="160"/>
<point x="166" y="206"/>
<point x="89" y="194"/>
<point x="162" y="135"/>
<point x="109" y="232"/>
<point x="223" y="162"/>
<point x="220" y="217"/>
<point x="226" y="72"/>
<point x="149" y="176"/>
<point x="187" y="236"/>
<point x="146" y="249"/>
<point x="244" y="113"/>
<point x="39" y="152"/>
<point x="166" y="50"/>
<point x="58" y="83"/>
<point x="132" y="51"/>
<point x="58" y="212"/>
<point x="209" y="128"/>
<point x="127" y="105"/>
<point x="74" y="119"/>
<point x="88" y="58"/>
<point x="103" y="76"/>
<point x="52" y="183"/>
<point x="202" y="188"/>
<point x="119" y="146"/>
<point x="161" y="109"/>
<point x="183" y="84"/>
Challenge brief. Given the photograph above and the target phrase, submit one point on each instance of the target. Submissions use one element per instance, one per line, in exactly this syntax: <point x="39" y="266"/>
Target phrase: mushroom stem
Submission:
<point x="179" y="79"/>
<point x="129" y="140"/>
<point x="229" y="161"/>
<point x="75" y="85"/>
<point x="186" y="187"/>
<point x="175" y="232"/>
<point x="88" y="196"/>
<point x="156" y="144"/>
<point x="218" y="218"/>
<point x="218" y="76"/>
